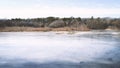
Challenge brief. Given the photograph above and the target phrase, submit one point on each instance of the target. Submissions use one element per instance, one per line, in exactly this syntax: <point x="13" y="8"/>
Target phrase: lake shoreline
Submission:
<point x="46" y="29"/>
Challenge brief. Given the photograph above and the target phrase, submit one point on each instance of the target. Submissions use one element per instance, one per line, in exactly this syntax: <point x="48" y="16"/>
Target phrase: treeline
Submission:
<point x="55" y="22"/>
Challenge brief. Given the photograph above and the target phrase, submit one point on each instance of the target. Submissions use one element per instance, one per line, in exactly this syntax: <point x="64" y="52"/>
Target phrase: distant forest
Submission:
<point x="55" y="22"/>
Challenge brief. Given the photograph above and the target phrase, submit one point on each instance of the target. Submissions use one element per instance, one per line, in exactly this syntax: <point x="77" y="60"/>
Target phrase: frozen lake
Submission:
<point x="95" y="49"/>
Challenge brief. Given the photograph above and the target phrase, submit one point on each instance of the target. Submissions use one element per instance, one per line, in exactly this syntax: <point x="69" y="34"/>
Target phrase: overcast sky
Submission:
<point x="59" y="8"/>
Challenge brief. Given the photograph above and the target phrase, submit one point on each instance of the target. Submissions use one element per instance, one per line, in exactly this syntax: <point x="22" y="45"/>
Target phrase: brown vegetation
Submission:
<point x="32" y="29"/>
<point x="59" y="24"/>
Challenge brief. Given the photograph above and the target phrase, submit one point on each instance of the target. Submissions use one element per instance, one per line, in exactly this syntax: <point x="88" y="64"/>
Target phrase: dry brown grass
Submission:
<point x="32" y="29"/>
<point x="112" y="28"/>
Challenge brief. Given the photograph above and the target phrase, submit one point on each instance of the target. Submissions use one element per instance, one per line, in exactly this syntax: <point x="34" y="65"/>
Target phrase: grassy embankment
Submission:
<point x="33" y="29"/>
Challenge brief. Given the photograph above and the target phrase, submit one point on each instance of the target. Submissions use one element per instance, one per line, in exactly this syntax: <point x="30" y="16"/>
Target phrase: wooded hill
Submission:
<point x="55" y="22"/>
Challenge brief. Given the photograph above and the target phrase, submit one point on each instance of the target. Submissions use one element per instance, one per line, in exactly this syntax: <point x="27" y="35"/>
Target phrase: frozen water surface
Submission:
<point x="94" y="49"/>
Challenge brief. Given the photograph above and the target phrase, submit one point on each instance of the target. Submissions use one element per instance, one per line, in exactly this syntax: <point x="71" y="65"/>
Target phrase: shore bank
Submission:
<point x="33" y="29"/>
